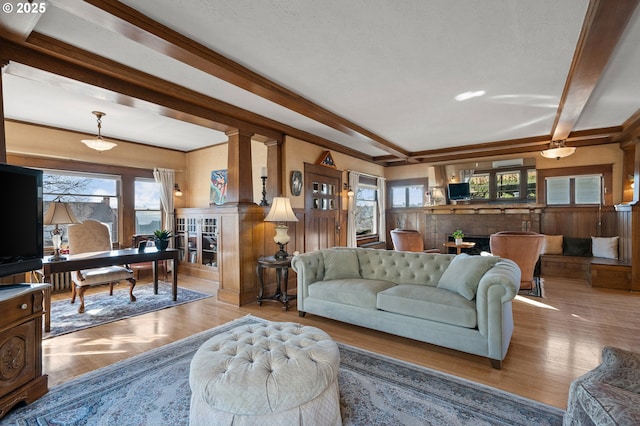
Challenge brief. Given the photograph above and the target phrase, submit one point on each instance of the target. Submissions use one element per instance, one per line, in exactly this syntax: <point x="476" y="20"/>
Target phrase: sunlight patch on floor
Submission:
<point x="535" y="303"/>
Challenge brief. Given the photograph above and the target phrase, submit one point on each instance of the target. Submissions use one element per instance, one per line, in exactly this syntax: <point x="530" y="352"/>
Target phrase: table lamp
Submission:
<point x="281" y="213"/>
<point x="59" y="213"/>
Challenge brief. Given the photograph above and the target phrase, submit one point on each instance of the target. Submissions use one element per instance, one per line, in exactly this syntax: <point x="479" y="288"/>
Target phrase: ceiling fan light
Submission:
<point x="558" y="150"/>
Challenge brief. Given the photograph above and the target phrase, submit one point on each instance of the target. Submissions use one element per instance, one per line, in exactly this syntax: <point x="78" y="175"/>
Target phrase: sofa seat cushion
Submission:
<point x="356" y="292"/>
<point x="430" y="303"/>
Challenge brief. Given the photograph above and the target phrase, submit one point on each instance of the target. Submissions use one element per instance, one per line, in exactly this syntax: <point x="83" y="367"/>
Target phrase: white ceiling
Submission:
<point x="393" y="69"/>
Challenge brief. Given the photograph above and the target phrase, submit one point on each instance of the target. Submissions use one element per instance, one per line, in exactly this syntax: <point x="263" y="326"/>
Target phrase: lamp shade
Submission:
<point x="558" y="150"/>
<point x="99" y="144"/>
<point x="281" y="211"/>
<point x="60" y="213"/>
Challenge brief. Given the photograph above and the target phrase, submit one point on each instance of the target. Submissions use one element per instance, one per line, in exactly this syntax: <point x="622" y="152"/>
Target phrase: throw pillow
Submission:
<point x="576" y="246"/>
<point x="463" y="274"/>
<point x="605" y="247"/>
<point x="552" y="244"/>
<point x="340" y="264"/>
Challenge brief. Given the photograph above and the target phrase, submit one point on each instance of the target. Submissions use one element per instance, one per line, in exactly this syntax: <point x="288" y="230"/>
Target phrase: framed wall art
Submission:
<point x="296" y="182"/>
<point x="218" y="188"/>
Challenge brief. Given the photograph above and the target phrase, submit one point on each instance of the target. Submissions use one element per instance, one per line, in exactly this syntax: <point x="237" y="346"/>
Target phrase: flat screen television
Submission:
<point x="21" y="242"/>
<point x="459" y="191"/>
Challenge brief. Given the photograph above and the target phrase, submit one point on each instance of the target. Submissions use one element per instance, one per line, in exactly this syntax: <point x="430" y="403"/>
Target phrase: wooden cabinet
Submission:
<point x="21" y="377"/>
<point x="197" y="238"/>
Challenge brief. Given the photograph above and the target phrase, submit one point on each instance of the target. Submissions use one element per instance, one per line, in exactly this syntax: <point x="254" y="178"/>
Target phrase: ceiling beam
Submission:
<point x="130" y="87"/>
<point x="126" y="21"/>
<point x="604" y="23"/>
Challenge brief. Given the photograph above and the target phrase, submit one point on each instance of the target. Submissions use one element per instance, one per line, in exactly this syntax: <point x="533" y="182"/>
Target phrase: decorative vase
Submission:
<point x="458" y="241"/>
<point x="162" y="244"/>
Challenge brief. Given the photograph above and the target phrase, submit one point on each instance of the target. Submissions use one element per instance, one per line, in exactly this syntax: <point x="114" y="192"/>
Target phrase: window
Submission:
<point x="91" y="196"/>
<point x="407" y="193"/>
<point x="508" y="185"/>
<point x="366" y="209"/>
<point x="479" y="185"/>
<point x="574" y="190"/>
<point x="504" y="185"/>
<point x="148" y="213"/>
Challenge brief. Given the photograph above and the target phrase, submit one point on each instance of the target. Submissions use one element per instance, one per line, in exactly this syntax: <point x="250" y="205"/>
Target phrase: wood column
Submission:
<point x="275" y="181"/>
<point x="3" y="140"/>
<point x="241" y="236"/>
<point x="239" y="176"/>
<point x="635" y="222"/>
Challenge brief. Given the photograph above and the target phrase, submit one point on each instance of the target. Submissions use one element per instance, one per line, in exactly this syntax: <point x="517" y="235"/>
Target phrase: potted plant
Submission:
<point x="161" y="237"/>
<point x="458" y="235"/>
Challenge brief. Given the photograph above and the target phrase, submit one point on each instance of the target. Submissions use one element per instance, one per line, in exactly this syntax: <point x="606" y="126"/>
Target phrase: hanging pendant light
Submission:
<point x="99" y="144"/>
<point x="558" y="150"/>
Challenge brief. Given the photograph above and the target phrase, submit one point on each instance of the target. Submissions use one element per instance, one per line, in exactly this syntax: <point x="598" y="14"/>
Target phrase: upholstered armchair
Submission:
<point x="409" y="240"/>
<point x="93" y="236"/>
<point x="524" y="248"/>
<point x="608" y="394"/>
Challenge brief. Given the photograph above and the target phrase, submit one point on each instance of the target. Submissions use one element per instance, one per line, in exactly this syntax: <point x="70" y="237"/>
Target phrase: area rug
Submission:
<point x="100" y="308"/>
<point x="537" y="290"/>
<point x="153" y="389"/>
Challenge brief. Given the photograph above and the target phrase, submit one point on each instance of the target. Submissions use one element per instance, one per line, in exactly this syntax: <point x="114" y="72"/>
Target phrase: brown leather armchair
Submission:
<point x="409" y="240"/>
<point x="524" y="248"/>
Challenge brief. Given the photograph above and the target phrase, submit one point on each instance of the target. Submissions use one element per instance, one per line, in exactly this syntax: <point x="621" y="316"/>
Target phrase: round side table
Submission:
<point x="282" y="276"/>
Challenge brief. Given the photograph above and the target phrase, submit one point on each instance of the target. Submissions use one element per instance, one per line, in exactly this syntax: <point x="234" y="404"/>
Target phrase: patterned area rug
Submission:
<point x="153" y="389"/>
<point x="100" y="308"/>
<point x="537" y="290"/>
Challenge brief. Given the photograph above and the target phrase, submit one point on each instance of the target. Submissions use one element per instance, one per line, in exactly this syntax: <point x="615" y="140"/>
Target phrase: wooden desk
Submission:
<point x="77" y="262"/>
<point x="459" y="247"/>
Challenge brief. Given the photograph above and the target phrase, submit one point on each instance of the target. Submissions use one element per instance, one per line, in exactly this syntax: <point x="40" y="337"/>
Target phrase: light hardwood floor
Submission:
<point x="556" y="338"/>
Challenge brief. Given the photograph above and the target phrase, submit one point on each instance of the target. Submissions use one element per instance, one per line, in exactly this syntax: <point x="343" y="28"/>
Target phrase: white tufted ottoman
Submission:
<point x="278" y="373"/>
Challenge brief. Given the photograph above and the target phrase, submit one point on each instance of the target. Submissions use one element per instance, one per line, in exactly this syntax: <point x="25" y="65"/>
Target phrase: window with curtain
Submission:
<point x="367" y="209"/>
<point x="148" y="211"/>
<point x="91" y="196"/>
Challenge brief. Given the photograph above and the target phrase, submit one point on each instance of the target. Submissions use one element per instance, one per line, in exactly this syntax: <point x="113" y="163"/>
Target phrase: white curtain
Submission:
<point x="382" y="207"/>
<point x="354" y="180"/>
<point x="165" y="178"/>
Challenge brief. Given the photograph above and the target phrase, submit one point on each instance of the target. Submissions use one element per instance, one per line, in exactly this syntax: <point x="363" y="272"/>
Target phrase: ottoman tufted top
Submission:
<point x="263" y="368"/>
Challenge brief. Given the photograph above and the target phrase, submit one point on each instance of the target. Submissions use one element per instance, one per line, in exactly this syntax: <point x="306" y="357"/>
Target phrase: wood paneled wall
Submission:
<point x="584" y="222"/>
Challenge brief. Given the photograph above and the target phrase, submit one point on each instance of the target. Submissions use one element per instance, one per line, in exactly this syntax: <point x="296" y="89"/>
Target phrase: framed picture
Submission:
<point x="296" y="182"/>
<point x="218" y="187"/>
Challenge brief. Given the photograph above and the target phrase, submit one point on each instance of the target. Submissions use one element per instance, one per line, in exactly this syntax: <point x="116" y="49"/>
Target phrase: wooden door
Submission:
<point x="323" y="186"/>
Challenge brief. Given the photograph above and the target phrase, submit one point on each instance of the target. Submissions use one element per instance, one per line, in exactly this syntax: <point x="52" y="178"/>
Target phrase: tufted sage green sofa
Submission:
<point x="460" y="302"/>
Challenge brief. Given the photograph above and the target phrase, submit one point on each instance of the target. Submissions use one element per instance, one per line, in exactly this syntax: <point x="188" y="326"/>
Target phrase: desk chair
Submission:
<point x="93" y="236"/>
<point x="137" y="267"/>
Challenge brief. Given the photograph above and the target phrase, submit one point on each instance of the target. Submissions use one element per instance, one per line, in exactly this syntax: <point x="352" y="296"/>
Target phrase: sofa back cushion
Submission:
<point x="340" y="264"/>
<point x="401" y="267"/>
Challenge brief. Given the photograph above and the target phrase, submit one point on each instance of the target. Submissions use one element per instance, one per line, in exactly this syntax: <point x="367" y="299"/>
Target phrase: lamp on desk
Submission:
<point x="281" y="213"/>
<point x="59" y="213"/>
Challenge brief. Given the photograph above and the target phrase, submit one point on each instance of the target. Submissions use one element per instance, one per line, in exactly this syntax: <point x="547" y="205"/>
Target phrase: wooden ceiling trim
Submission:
<point x="168" y="99"/>
<point x="132" y="24"/>
<point x="604" y="23"/>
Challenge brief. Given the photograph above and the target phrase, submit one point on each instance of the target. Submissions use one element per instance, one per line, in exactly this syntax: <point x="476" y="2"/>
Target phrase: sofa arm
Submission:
<point x="505" y="273"/>
<point x="310" y="269"/>
<point x="497" y="288"/>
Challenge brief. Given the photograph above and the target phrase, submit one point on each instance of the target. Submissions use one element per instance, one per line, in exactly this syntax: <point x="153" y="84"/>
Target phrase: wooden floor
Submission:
<point x="556" y="338"/>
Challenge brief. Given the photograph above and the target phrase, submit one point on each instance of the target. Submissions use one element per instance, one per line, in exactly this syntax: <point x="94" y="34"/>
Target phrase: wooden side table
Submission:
<point x="459" y="247"/>
<point x="282" y="276"/>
